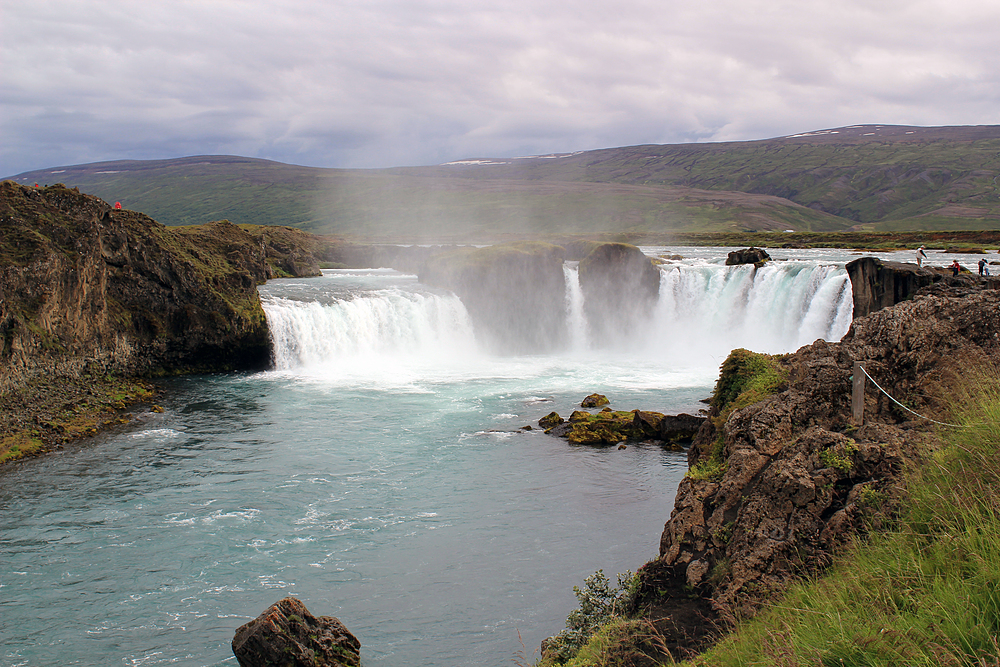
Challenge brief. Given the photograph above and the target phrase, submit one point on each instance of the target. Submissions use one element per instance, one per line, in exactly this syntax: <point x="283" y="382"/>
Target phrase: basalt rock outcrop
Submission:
<point x="620" y="286"/>
<point x="88" y="291"/>
<point x="779" y="485"/>
<point x="747" y="256"/>
<point x="610" y="427"/>
<point x="878" y="284"/>
<point x="515" y="294"/>
<point x="287" y="634"/>
<point x="85" y="284"/>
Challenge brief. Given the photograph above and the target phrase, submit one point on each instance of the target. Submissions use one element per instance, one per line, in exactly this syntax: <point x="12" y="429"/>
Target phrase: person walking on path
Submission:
<point x="920" y="256"/>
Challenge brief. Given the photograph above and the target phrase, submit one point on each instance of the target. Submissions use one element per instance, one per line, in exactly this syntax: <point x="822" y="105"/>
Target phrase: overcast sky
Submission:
<point x="377" y="83"/>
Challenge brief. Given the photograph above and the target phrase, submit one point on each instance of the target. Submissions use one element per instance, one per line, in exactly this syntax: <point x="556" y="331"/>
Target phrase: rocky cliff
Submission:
<point x="620" y="286"/>
<point x="88" y="292"/>
<point x="781" y="478"/>
<point x="514" y="293"/>
<point x="877" y="284"/>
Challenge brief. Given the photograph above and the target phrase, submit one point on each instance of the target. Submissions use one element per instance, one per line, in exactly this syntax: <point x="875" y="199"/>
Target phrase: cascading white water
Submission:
<point x="383" y="324"/>
<point x="366" y="322"/>
<point x="576" y="320"/>
<point x="776" y="308"/>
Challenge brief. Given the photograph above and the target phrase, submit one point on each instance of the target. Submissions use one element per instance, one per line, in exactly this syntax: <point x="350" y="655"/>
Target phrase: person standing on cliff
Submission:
<point x="982" y="265"/>
<point x="955" y="267"/>
<point x="920" y="256"/>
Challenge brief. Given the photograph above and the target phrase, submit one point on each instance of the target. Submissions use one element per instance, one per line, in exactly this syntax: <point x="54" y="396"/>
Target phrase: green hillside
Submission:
<point x="867" y="178"/>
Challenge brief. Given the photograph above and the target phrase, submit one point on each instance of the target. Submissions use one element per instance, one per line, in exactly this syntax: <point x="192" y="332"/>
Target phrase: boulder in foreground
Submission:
<point x="287" y="634"/>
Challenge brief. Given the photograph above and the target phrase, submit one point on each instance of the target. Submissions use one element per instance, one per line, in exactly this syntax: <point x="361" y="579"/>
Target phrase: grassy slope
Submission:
<point x="412" y="205"/>
<point x="936" y="178"/>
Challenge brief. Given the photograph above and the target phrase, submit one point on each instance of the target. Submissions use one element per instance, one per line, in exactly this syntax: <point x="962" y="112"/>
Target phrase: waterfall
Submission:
<point x="380" y="325"/>
<point x="360" y="323"/>
<point x="576" y="321"/>
<point x="776" y="308"/>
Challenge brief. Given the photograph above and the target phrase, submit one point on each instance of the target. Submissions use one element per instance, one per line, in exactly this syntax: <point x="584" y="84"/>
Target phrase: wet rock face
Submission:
<point x="86" y="286"/>
<point x="795" y="481"/>
<point x="876" y="284"/>
<point x="747" y="256"/>
<point x="595" y="401"/>
<point x="515" y="294"/>
<point x="287" y="634"/>
<point x="620" y="286"/>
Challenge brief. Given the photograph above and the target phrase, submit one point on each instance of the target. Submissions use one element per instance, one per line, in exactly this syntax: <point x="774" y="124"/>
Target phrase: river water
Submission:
<point x="380" y="472"/>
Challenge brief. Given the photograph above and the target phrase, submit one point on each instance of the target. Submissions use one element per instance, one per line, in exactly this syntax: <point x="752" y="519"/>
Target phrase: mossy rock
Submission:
<point x="595" y="401"/>
<point x="595" y="434"/>
<point x="747" y="377"/>
<point x="550" y="420"/>
<point x="607" y="427"/>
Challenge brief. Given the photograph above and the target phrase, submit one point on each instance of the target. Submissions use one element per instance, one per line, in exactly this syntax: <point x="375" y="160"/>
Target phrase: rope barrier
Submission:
<point x="863" y="370"/>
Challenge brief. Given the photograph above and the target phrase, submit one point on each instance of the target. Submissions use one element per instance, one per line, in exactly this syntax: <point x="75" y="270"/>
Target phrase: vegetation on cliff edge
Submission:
<point x="924" y="592"/>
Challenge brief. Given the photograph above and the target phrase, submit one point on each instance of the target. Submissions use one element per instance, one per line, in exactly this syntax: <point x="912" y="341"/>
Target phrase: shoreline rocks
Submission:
<point x="90" y="294"/>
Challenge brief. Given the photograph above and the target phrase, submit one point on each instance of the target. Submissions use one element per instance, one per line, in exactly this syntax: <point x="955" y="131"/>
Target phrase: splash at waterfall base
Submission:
<point x="778" y="487"/>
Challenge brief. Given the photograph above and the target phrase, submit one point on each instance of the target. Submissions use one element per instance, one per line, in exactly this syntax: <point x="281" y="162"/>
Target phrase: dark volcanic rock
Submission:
<point x="515" y="294"/>
<point x="93" y="294"/>
<point x="85" y="285"/>
<point x="287" y="634"/>
<point x="675" y="428"/>
<point x="620" y="286"/>
<point x="782" y="484"/>
<point x="876" y="284"/>
<point x="747" y="256"/>
<point x="609" y="427"/>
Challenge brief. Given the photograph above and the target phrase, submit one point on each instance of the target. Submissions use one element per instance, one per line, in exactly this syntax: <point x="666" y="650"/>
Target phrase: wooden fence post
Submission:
<point x="858" y="394"/>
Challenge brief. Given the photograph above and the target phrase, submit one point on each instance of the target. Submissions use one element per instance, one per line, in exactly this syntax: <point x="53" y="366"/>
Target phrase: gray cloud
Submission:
<point x="373" y="83"/>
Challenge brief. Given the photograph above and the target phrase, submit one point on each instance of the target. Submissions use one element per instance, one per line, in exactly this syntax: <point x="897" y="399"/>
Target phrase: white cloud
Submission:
<point x="384" y="82"/>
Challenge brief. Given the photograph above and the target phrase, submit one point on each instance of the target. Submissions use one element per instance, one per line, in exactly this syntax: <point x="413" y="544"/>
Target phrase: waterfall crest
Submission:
<point x="387" y="323"/>
<point x="703" y="311"/>
<point x="776" y="308"/>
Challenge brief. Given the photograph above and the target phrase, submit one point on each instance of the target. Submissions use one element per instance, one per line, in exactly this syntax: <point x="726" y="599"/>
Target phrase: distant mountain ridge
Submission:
<point x="861" y="177"/>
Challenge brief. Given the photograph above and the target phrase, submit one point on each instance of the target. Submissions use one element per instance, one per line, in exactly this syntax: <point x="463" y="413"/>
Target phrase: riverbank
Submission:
<point x="95" y="300"/>
<point x="55" y="411"/>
